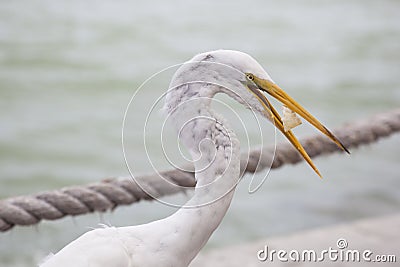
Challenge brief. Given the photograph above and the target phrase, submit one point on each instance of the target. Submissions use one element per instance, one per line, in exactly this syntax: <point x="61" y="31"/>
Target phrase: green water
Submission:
<point x="69" y="68"/>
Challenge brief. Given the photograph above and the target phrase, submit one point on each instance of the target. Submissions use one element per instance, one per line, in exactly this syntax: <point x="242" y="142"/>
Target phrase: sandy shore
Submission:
<point x="368" y="238"/>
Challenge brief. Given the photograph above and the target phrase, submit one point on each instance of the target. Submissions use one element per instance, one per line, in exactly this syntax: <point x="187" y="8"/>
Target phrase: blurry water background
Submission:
<point x="69" y="68"/>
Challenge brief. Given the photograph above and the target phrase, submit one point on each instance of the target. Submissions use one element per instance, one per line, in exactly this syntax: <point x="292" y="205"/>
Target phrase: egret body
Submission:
<point x="176" y="240"/>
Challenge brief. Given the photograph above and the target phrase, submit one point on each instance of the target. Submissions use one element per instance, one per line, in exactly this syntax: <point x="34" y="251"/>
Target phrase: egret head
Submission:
<point x="244" y="79"/>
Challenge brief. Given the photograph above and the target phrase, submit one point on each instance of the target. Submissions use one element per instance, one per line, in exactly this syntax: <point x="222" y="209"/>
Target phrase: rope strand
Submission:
<point x="110" y="193"/>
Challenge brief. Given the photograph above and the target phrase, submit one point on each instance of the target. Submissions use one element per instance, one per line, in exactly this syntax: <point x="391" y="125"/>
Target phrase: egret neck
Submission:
<point x="215" y="151"/>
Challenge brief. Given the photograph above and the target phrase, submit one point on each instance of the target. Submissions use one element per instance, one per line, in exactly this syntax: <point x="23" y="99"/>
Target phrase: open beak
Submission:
<point x="275" y="91"/>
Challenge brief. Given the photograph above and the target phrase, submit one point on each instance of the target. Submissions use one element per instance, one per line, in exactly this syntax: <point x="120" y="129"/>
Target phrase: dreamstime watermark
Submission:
<point x="340" y="253"/>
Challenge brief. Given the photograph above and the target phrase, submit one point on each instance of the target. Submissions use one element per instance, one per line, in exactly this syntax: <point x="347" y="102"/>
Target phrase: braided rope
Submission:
<point x="110" y="193"/>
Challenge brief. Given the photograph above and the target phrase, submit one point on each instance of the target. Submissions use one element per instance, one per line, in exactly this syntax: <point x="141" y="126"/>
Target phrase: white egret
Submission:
<point x="177" y="239"/>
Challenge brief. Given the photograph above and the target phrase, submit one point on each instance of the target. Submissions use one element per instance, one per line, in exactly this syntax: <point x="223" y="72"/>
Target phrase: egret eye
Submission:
<point x="250" y="76"/>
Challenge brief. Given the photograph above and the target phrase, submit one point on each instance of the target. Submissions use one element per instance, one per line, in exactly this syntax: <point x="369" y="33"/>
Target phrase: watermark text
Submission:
<point x="340" y="253"/>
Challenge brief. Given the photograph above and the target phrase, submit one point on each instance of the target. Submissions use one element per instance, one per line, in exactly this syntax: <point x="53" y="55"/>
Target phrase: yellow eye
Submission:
<point x="250" y="76"/>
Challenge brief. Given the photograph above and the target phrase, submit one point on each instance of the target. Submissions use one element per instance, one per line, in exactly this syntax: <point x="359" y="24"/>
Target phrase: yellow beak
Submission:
<point x="275" y="91"/>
